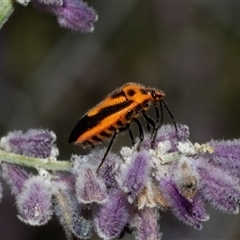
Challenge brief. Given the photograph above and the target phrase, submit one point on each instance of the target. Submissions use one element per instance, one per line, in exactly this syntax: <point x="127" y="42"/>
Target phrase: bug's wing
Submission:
<point x="104" y="120"/>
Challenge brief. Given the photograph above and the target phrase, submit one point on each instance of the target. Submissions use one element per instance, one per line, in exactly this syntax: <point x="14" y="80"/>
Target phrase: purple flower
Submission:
<point x="227" y="156"/>
<point x="109" y="171"/>
<point x="112" y="216"/>
<point x="15" y="176"/>
<point x="82" y="223"/>
<point x="75" y="218"/>
<point x="33" y="143"/>
<point x="89" y="188"/>
<point x="168" y="133"/>
<point x="190" y="212"/>
<point x="34" y="202"/>
<point x="72" y="14"/>
<point x="135" y="174"/>
<point x="146" y="224"/>
<point x="129" y="191"/>
<point x="218" y="188"/>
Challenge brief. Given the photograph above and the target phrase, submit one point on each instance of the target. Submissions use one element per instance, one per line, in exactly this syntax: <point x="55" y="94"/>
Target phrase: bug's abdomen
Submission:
<point x="120" y="125"/>
<point x="96" y="128"/>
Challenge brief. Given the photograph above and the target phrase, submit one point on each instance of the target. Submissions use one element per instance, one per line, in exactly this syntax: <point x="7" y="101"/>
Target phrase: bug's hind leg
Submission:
<point x="141" y="134"/>
<point x="150" y="122"/>
<point x="131" y="135"/>
<point x="158" y="122"/>
<point x="107" y="151"/>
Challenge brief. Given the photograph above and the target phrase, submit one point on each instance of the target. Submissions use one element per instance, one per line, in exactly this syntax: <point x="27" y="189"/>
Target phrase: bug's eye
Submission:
<point x="153" y="94"/>
<point x="143" y="91"/>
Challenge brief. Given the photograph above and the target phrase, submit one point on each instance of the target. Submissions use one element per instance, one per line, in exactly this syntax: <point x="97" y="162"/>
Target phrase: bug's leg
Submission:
<point x="107" y="151"/>
<point x="141" y="134"/>
<point x="149" y="122"/>
<point x="158" y="122"/>
<point x="131" y="135"/>
<point x="174" y="123"/>
<point x="90" y="145"/>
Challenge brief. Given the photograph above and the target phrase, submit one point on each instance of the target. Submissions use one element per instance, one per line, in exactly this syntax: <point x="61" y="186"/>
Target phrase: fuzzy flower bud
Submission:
<point x="218" y="188"/>
<point x="33" y="143"/>
<point x="226" y="156"/>
<point x="72" y="14"/>
<point x="34" y="202"/>
<point x="15" y="176"/>
<point x="146" y="224"/>
<point x="190" y="212"/>
<point x="135" y="175"/>
<point x="75" y="218"/>
<point x="112" y="216"/>
<point x="89" y="188"/>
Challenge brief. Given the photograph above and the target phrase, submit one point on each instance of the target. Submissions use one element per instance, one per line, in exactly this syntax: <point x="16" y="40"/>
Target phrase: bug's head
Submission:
<point x="157" y="95"/>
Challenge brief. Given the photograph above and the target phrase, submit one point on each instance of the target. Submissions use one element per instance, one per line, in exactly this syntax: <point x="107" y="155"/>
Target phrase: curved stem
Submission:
<point x="37" y="163"/>
<point x="6" y="8"/>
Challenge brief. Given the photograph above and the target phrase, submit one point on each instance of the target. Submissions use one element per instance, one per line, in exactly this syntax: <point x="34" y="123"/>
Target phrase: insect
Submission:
<point x="115" y="114"/>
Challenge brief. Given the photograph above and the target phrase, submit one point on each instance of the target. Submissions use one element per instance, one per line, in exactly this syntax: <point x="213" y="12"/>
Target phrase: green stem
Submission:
<point x="6" y="8"/>
<point x="35" y="162"/>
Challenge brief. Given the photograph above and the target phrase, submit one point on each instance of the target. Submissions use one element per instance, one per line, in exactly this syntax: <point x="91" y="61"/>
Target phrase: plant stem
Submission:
<point x="37" y="163"/>
<point x="6" y="8"/>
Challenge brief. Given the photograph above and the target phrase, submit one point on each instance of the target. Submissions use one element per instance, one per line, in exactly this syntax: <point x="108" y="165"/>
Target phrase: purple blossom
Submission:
<point x="33" y="143"/>
<point x="75" y="218"/>
<point x="112" y="216"/>
<point x="190" y="212"/>
<point x="146" y="224"/>
<point x="15" y="176"/>
<point x="109" y="172"/>
<point x="34" y="202"/>
<point x="72" y="14"/>
<point x="52" y="2"/>
<point x="89" y="188"/>
<point x="130" y="190"/>
<point x="135" y="174"/>
<point x="82" y="222"/>
<point x="218" y="188"/>
<point x="168" y="133"/>
<point x="226" y="156"/>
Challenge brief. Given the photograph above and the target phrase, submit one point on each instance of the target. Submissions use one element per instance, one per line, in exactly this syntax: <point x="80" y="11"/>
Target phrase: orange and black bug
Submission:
<point x="115" y="114"/>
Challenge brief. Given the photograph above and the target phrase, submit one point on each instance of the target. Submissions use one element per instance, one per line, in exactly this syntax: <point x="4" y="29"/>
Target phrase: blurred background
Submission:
<point x="49" y="77"/>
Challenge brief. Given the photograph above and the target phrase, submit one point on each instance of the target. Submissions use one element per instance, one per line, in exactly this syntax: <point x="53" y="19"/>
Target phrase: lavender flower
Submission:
<point x="130" y="190"/>
<point x="75" y="218"/>
<point x="48" y="2"/>
<point x="226" y="156"/>
<point x="33" y="143"/>
<point x="190" y="212"/>
<point x="112" y="216"/>
<point x="15" y="176"/>
<point x="145" y="223"/>
<point x="72" y="14"/>
<point x="135" y="174"/>
<point x="34" y="202"/>
<point x="89" y="188"/>
<point x="218" y="188"/>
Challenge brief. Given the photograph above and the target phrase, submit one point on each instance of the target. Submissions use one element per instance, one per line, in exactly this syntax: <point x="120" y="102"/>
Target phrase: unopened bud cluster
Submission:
<point x="130" y="190"/>
<point x="71" y="14"/>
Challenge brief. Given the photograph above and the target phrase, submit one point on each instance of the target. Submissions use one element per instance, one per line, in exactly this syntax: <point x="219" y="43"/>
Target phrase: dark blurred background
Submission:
<point x="49" y="77"/>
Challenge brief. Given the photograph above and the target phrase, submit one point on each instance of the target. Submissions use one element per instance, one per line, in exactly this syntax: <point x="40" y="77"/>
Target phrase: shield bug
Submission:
<point x="115" y="114"/>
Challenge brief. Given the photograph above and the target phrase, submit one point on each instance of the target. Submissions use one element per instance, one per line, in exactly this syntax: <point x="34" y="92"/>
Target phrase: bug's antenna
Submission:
<point x="174" y="122"/>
